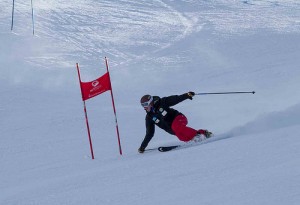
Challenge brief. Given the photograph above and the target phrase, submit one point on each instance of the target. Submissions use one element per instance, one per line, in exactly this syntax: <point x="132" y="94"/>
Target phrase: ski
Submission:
<point x="168" y="148"/>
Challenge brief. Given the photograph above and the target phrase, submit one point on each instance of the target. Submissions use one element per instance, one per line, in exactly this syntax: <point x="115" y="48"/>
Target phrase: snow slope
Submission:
<point x="161" y="47"/>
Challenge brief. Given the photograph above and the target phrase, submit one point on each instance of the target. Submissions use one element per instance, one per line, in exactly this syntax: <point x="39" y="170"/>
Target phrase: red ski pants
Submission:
<point x="180" y="129"/>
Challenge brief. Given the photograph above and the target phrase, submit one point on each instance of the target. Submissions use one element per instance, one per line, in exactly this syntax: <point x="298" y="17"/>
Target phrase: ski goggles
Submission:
<point x="147" y="103"/>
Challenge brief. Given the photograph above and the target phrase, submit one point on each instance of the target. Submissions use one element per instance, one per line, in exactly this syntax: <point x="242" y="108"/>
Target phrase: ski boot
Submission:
<point x="201" y="135"/>
<point x="206" y="133"/>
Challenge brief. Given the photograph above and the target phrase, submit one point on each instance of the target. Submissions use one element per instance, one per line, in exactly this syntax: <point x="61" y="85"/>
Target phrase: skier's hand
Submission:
<point x="191" y="95"/>
<point x="141" y="150"/>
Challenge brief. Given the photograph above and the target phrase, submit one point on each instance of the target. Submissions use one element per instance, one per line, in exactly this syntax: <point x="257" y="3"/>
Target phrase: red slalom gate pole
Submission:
<point x="86" y="116"/>
<point x="114" y="108"/>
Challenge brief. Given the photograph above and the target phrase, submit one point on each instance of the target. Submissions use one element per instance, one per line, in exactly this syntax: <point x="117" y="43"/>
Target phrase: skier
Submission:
<point x="172" y="121"/>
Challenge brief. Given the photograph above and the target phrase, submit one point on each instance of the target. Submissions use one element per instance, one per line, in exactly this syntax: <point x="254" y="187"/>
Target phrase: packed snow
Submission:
<point x="161" y="47"/>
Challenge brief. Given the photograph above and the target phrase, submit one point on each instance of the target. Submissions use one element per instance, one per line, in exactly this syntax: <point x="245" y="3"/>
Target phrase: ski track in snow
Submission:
<point x="87" y="31"/>
<point x="97" y="28"/>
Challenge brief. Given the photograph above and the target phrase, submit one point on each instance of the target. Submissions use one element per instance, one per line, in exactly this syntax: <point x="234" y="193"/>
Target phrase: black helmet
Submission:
<point x="146" y="100"/>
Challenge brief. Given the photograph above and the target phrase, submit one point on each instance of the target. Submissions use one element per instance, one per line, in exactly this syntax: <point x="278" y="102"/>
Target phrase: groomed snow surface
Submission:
<point x="161" y="47"/>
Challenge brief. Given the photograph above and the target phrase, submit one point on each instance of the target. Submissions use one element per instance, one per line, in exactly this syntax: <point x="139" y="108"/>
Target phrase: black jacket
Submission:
<point x="162" y="115"/>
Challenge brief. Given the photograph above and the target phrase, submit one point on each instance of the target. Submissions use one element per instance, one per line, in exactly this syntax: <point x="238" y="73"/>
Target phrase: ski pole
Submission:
<point x="253" y="92"/>
<point x="12" y="15"/>
<point x="32" y="18"/>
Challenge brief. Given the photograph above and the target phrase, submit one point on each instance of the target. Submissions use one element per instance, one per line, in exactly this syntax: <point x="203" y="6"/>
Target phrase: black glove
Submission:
<point x="191" y="95"/>
<point x="141" y="150"/>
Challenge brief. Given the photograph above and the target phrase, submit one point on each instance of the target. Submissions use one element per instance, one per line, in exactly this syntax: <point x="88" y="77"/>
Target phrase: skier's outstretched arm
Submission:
<point x="150" y="129"/>
<point x="175" y="99"/>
